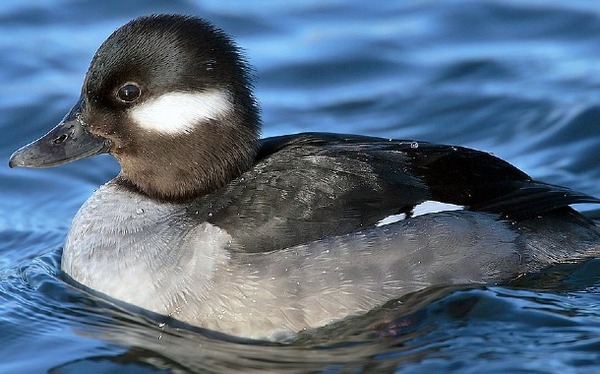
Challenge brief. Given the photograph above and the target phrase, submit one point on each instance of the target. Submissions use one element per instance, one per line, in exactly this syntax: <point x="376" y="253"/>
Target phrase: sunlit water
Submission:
<point x="518" y="79"/>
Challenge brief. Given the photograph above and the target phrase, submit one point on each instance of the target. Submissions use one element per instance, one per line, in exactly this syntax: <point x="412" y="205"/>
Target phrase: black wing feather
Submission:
<point x="308" y="186"/>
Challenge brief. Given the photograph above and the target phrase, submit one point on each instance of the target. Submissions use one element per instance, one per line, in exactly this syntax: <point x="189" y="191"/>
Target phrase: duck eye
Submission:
<point x="129" y="92"/>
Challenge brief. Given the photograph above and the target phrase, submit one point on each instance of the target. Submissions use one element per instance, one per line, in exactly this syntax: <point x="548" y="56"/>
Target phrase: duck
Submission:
<point x="210" y="225"/>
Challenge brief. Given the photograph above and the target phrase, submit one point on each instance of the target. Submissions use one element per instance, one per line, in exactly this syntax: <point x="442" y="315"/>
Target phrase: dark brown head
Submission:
<point x="170" y="97"/>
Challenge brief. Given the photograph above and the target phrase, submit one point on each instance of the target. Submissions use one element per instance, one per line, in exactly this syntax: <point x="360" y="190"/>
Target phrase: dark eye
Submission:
<point x="129" y="92"/>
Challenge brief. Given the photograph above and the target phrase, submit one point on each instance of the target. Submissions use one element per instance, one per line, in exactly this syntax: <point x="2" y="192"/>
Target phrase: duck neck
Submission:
<point x="176" y="169"/>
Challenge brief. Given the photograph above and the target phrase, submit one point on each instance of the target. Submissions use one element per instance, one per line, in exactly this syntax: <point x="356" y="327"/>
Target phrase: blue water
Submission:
<point x="520" y="79"/>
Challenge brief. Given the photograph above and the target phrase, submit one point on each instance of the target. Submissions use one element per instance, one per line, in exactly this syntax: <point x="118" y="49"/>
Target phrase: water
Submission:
<point x="519" y="79"/>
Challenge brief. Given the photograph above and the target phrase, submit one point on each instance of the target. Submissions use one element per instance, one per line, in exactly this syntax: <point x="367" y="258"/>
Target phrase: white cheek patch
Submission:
<point x="180" y="112"/>
<point x="425" y="207"/>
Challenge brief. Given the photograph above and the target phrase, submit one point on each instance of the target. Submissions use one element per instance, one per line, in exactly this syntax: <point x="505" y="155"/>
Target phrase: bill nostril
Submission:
<point x="61" y="139"/>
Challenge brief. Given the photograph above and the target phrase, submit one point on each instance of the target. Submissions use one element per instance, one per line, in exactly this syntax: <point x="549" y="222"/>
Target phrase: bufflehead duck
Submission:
<point x="211" y="226"/>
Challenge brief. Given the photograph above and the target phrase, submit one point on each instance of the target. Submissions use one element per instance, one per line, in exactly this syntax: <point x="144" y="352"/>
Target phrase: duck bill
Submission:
<point x="70" y="140"/>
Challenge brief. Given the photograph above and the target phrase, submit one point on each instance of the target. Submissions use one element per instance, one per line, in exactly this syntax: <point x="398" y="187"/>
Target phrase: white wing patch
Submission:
<point x="431" y="206"/>
<point x="425" y="207"/>
<point x="180" y="112"/>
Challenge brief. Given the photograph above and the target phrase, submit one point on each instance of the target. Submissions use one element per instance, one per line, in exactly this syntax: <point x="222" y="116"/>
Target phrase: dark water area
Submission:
<point x="518" y="79"/>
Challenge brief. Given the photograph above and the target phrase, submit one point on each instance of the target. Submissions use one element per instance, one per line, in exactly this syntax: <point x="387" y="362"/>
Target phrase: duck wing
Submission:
<point x="310" y="186"/>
